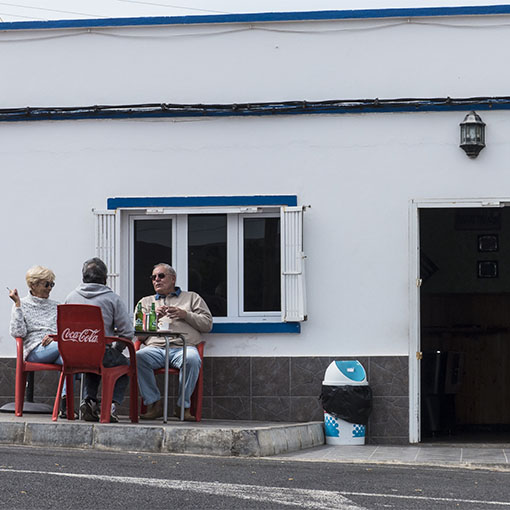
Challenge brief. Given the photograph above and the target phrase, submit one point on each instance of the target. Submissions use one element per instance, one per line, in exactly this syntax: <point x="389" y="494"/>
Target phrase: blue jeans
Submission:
<point x="150" y="358"/>
<point x="112" y="358"/>
<point x="47" y="354"/>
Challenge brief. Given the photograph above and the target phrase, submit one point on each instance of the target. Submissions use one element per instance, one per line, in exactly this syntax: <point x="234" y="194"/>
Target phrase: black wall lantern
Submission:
<point x="472" y="134"/>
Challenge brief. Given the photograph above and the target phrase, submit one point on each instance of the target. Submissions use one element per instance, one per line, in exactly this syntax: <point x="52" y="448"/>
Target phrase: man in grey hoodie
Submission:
<point x="117" y="322"/>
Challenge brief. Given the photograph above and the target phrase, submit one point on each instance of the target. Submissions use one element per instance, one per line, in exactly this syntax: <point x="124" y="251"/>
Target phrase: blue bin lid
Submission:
<point x="352" y="369"/>
<point x="346" y="372"/>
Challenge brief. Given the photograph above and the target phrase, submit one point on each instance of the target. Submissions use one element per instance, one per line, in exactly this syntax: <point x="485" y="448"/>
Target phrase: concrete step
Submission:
<point x="209" y="437"/>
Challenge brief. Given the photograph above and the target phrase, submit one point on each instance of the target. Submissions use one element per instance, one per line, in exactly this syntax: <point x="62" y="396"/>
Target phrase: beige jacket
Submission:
<point x="198" y="317"/>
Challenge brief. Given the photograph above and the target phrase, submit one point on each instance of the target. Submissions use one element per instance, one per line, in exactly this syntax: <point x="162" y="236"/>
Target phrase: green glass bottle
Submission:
<point x="139" y="318"/>
<point x="153" y="319"/>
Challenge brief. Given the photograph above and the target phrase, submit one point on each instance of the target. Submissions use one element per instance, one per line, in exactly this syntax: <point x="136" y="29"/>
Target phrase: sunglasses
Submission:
<point x="159" y="276"/>
<point x="49" y="284"/>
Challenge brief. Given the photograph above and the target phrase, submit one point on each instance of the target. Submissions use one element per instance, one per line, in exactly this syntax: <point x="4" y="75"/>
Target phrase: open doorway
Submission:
<point x="465" y="324"/>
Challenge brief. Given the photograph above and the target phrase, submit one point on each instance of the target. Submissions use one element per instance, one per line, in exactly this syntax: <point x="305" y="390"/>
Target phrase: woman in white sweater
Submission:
<point x="34" y="317"/>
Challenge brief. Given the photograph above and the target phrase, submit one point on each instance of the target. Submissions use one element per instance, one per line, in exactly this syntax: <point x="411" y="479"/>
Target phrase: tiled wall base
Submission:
<point x="282" y="389"/>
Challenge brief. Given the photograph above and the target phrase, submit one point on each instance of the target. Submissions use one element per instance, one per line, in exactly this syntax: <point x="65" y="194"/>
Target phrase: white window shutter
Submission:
<point x="106" y="245"/>
<point x="292" y="264"/>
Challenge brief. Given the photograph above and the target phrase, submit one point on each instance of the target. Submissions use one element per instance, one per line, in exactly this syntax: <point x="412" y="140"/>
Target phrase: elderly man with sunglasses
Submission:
<point x="189" y="314"/>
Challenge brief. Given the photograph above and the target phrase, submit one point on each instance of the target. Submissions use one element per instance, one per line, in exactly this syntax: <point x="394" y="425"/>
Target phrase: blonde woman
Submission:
<point x="34" y="319"/>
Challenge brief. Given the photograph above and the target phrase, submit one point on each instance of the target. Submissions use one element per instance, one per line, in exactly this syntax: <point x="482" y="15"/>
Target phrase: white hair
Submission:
<point x="168" y="267"/>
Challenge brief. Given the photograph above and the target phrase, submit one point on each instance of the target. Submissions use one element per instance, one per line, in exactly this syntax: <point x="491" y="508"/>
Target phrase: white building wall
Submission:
<point x="226" y="63"/>
<point x="358" y="172"/>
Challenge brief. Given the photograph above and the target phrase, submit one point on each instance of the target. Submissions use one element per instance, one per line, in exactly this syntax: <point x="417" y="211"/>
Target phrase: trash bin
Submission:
<point x="347" y="402"/>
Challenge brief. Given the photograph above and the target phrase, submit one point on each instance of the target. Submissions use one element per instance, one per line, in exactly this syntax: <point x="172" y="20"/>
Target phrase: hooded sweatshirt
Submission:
<point x="117" y="322"/>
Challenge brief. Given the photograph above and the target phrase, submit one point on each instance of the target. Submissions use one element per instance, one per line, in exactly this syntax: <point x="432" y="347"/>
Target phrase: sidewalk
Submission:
<point x="468" y="455"/>
<point x="289" y="441"/>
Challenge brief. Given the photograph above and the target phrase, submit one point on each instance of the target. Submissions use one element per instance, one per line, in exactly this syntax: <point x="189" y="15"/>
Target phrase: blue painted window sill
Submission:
<point x="256" y="327"/>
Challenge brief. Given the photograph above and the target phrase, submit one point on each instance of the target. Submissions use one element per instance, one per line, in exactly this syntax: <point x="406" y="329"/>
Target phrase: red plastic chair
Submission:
<point x="82" y="342"/>
<point x="22" y="370"/>
<point x="198" y="392"/>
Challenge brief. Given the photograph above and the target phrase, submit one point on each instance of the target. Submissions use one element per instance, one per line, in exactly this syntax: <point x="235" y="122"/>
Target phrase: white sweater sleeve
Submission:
<point x="18" y="326"/>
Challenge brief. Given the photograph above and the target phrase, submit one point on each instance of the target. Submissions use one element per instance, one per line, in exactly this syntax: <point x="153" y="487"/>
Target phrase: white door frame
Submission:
<point x="414" y="294"/>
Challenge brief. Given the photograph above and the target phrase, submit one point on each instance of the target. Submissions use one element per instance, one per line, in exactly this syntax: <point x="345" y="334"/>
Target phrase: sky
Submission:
<point x="42" y="10"/>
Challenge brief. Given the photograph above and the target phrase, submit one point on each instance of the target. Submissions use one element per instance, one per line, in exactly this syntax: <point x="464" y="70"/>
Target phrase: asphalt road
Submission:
<point x="40" y="478"/>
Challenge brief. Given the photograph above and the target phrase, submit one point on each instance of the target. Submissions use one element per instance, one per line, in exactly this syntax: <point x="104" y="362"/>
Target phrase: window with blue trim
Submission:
<point x="244" y="258"/>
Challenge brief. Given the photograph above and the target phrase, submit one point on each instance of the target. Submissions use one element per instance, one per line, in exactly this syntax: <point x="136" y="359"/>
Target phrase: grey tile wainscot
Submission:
<point x="231" y="377"/>
<point x="231" y="408"/>
<point x="270" y="377"/>
<point x="307" y="374"/>
<point x="305" y="409"/>
<point x="389" y="376"/>
<point x="270" y="409"/>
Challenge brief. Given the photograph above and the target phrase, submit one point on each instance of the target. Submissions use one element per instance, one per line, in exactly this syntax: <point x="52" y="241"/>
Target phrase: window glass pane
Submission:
<point x="262" y="265"/>
<point x="152" y="244"/>
<point x="207" y="260"/>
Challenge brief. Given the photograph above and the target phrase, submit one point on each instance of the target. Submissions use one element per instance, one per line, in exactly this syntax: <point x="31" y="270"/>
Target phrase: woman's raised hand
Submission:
<point x="13" y="294"/>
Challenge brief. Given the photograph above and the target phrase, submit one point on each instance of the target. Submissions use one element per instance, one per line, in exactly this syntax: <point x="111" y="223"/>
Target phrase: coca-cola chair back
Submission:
<point x="80" y="334"/>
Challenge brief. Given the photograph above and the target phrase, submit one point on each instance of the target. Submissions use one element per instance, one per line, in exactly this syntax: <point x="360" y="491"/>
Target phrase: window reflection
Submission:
<point x="262" y="264"/>
<point x="152" y="244"/>
<point x="207" y="260"/>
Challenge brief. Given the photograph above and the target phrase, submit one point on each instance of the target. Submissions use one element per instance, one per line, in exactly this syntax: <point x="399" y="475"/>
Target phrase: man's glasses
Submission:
<point x="159" y="276"/>
<point x="49" y="284"/>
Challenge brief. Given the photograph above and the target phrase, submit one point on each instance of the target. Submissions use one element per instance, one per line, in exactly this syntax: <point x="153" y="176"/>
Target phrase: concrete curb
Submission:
<point x="221" y="440"/>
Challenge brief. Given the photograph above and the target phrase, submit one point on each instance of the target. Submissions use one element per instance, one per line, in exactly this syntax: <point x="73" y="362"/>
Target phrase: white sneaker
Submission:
<point x="114" y="417"/>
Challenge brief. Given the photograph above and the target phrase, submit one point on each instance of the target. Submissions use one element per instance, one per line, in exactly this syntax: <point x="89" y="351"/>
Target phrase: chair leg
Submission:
<point x="107" y="383"/>
<point x="198" y="394"/>
<point x="56" y="405"/>
<point x="198" y="407"/>
<point x="133" y="398"/>
<point x="197" y="397"/>
<point x="19" y="393"/>
<point x="70" y="396"/>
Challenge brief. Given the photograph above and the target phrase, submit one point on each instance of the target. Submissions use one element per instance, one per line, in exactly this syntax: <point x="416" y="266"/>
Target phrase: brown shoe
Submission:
<point x="187" y="414"/>
<point x="154" y="411"/>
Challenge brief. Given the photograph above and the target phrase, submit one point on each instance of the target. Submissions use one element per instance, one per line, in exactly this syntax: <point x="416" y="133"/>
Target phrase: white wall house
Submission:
<point x="232" y="135"/>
